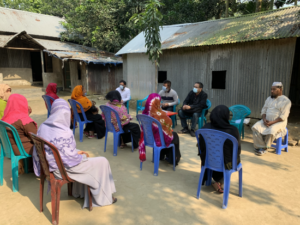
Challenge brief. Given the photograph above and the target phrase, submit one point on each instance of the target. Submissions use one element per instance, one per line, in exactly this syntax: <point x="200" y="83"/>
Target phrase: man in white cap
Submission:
<point x="274" y="120"/>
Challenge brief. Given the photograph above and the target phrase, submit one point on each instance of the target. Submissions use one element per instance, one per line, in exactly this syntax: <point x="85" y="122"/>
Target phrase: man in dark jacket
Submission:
<point x="193" y="105"/>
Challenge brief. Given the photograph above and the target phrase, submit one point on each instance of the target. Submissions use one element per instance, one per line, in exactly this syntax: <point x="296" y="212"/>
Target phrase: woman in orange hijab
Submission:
<point x="91" y="112"/>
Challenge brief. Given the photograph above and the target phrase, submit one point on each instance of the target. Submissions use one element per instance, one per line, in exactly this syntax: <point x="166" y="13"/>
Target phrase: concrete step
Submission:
<point x="30" y="92"/>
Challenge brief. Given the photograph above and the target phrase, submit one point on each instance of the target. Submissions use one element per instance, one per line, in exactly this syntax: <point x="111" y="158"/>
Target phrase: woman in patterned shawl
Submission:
<point x="153" y="109"/>
<point x="114" y="102"/>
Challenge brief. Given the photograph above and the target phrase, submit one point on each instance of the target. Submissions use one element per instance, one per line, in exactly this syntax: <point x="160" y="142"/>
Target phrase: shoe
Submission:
<point x="184" y="131"/>
<point x="257" y="149"/>
<point x="261" y="152"/>
<point x="193" y="133"/>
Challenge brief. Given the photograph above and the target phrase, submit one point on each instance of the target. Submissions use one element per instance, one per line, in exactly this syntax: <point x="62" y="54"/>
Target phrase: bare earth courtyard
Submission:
<point x="271" y="192"/>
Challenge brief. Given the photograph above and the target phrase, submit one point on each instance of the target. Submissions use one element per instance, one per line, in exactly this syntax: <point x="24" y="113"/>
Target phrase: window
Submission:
<point x="79" y="71"/>
<point x="162" y="76"/>
<point x="218" y="79"/>
<point x="48" y="68"/>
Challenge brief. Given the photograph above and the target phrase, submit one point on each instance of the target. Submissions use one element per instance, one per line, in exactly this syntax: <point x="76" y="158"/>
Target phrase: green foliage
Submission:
<point x="27" y="5"/>
<point x="150" y="22"/>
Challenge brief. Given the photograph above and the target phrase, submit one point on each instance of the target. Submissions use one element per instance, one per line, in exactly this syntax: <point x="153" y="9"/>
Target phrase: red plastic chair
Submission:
<point x="56" y="184"/>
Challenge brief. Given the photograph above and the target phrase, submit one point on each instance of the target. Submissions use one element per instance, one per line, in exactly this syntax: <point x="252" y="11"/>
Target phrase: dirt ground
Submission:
<point x="270" y="189"/>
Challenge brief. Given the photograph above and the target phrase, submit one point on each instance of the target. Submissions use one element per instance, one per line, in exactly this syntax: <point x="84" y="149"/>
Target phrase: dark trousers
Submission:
<point x="168" y="108"/>
<point x="184" y="116"/>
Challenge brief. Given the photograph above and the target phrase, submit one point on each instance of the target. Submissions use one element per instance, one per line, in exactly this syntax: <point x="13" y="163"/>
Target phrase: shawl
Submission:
<point x="56" y="130"/>
<point x="153" y="109"/>
<point x="219" y="118"/>
<point x="3" y="94"/>
<point x="51" y="91"/>
<point x="17" y="109"/>
<point x="77" y="95"/>
<point x="114" y="98"/>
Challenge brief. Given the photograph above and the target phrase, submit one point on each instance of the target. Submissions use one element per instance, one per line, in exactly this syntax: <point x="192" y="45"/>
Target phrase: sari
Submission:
<point x="77" y="95"/>
<point x="51" y="91"/>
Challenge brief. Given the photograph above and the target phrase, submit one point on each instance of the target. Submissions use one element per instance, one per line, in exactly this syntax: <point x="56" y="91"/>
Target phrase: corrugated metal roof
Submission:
<point x="137" y="44"/>
<point x="15" y="21"/>
<point x="64" y="46"/>
<point x="275" y="24"/>
<point x="6" y="39"/>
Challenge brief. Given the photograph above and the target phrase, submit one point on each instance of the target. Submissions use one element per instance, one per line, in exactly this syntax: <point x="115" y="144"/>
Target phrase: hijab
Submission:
<point x="153" y="109"/>
<point x="115" y="98"/>
<point x="51" y="90"/>
<point x="77" y="95"/>
<point x="3" y="94"/>
<point x="56" y="130"/>
<point x="17" y="109"/>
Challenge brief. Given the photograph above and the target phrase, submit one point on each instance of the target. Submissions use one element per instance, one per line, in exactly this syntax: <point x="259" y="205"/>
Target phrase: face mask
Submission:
<point x="84" y="94"/>
<point x="121" y="87"/>
<point x="195" y="90"/>
<point x="164" y="88"/>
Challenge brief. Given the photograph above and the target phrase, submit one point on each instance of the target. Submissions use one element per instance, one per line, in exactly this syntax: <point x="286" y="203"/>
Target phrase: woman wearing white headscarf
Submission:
<point x="5" y="92"/>
<point x="94" y="172"/>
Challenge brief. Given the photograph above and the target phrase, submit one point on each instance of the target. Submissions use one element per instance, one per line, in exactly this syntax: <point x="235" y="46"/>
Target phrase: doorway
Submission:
<point x="36" y="66"/>
<point x="67" y="77"/>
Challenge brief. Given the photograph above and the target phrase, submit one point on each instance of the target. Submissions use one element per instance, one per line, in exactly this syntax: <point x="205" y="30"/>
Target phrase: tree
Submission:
<point x="227" y="5"/>
<point x="258" y="5"/>
<point x="271" y="4"/>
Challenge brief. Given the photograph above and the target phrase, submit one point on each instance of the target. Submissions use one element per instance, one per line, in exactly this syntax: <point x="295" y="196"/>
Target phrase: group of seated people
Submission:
<point x="95" y="172"/>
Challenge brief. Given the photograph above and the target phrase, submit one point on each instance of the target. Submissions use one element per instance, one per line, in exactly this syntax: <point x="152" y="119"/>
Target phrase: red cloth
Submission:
<point x="51" y="91"/>
<point x="17" y="109"/>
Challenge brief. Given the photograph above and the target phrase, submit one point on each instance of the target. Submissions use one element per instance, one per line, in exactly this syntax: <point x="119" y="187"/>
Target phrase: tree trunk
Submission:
<point x="156" y="77"/>
<point x="227" y="5"/>
<point x="296" y="2"/>
<point x="271" y="4"/>
<point x="258" y="5"/>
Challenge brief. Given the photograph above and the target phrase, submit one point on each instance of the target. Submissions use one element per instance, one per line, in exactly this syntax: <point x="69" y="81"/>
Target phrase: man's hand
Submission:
<point x="165" y="105"/>
<point x="29" y="110"/>
<point x="266" y="122"/>
<point x="187" y="107"/>
<point x="82" y="152"/>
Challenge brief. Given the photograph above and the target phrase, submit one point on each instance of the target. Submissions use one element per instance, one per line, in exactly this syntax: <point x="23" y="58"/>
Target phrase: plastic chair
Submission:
<point x="146" y="122"/>
<point x="214" y="160"/>
<point x="7" y="151"/>
<point x="110" y="128"/>
<point x="47" y="100"/>
<point x="203" y="117"/>
<point x="127" y="105"/>
<point x="74" y="104"/>
<point x="139" y="105"/>
<point x="280" y="144"/>
<point x="239" y="112"/>
<point x="56" y="184"/>
<point x="174" y="118"/>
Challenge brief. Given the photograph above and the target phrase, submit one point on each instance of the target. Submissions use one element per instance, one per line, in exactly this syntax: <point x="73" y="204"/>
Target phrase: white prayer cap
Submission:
<point x="277" y="84"/>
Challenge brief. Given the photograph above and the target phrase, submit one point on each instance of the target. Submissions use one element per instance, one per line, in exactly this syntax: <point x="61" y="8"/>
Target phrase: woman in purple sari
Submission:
<point x="94" y="172"/>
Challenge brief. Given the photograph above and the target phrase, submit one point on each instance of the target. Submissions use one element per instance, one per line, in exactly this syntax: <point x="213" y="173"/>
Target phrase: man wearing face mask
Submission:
<point x="124" y="91"/>
<point x="169" y="96"/>
<point x="193" y="105"/>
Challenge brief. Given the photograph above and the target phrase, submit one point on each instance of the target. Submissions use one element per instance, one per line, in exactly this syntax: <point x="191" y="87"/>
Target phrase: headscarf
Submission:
<point x="3" y="94"/>
<point x="115" y="98"/>
<point x="17" y="109"/>
<point x="77" y="95"/>
<point x="219" y="118"/>
<point x="153" y="109"/>
<point x="56" y="130"/>
<point x="51" y="91"/>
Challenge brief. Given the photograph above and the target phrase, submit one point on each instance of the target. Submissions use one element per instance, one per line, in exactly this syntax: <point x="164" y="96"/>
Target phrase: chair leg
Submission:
<point x="26" y="164"/>
<point x="53" y="202"/>
<point x="141" y="165"/>
<point x="74" y="125"/>
<point x="81" y="126"/>
<point x="132" y="147"/>
<point x="209" y="177"/>
<point x="1" y="165"/>
<point x="243" y="131"/>
<point x="227" y="176"/>
<point x="156" y="161"/>
<point x="106" y="133"/>
<point x="174" y="161"/>
<point x="241" y="182"/>
<point x="90" y="198"/>
<point x="116" y="142"/>
<point x="278" y="146"/>
<point x="58" y="190"/>
<point x="286" y="143"/>
<point x="200" y="181"/>
<point x="42" y="182"/>
<point x="15" y="173"/>
<point x="70" y="188"/>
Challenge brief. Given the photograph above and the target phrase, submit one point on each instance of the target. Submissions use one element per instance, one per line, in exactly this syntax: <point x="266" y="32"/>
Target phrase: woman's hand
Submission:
<point x="29" y="110"/>
<point x="82" y="152"/>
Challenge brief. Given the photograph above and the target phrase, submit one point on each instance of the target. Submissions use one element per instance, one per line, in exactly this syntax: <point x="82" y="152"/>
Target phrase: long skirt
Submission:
<point x="135" y="131"/>
<point x="96" y="173"/>
<point x="98" y="125"/>
<point x="167" y="153"/>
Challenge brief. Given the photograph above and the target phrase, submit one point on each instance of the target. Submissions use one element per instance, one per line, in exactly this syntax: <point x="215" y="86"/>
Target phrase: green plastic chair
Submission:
<point x="139" y="105"/>
<point x="127" y="105"/>
<point x="7" y="151"/>
<point x="239" y="113"/>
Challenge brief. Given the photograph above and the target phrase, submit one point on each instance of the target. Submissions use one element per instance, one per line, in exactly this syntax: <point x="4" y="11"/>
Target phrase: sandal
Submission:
<point x="86" y="133"/>
<point x="217" y="187"/>
<point x="123" y="145"/>
<point x="114" y="200"/>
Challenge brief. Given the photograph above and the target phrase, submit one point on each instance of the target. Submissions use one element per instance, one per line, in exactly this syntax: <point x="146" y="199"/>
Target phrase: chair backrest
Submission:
<point x="174" y="106"/>
<point x="239" y="112"/>
<point x="107" y="113"/>
<point x="74" y="105"/>
<point x="40" y="144"/>
<point x="140" y="102"/>
<point x="127" y="103"/>
<point x="214" y="141"/>
<point x="47" y="100"/>
<point x="146" y="122"/>
<point x="6" y="145"/>
<point x="208" y="103"/>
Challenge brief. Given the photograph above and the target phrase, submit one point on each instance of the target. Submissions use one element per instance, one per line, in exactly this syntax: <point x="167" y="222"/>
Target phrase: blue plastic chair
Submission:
<point x="239" y="112"/>
<point x="7" y="151"/>
<point x="214" y="160"/>
<point x="280" y="144"/>
<point x="74" y="104"/>
<point x="203" y="117"/>
<point x="110" y="128"/>
<point x="139" y="105"/>
<point x="174" y="118"/>
<point x="47" y="100"/>
<point x="127" y="105"/>
<point x="146" y="122"/>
